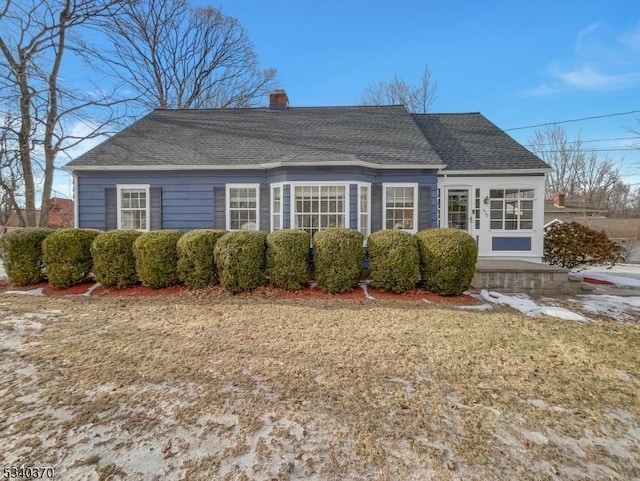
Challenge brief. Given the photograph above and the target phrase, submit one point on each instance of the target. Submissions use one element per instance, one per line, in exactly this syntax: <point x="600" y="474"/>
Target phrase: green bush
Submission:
<point x="338" y="259"/>
<point x="394" y="260"/>
<point x="156" y="257"/>
<point x="288" y="258"/>
<point x="114" y="264"/>
<point x="67" y="256"/>
<point x="447" y="260"/>
<point x="240" y="259"/>
<point x="22" y="256"/>
<point x="196" y="264"/>
<point x="572" y="244"/>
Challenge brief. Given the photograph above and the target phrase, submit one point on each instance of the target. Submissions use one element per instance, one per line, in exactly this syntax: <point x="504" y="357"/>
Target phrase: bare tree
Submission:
<point x="176" y="56"/>
<point x="35" y="37"/>
<point x="10" y="178"/>
<point x="416" y="98"/>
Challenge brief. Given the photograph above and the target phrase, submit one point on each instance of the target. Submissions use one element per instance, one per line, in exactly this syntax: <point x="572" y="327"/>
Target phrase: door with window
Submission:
<point x="459" y="209"/>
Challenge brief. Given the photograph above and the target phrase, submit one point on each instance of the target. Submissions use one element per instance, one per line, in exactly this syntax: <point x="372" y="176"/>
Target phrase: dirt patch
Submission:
<point x="192" y="387"/>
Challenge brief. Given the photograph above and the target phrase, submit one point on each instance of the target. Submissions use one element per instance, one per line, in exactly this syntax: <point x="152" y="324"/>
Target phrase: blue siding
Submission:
<point x="353" y="206"/>
<point x="511" y="243"/>
<point x="187" y="197"/>
<point x="286" y="207"/>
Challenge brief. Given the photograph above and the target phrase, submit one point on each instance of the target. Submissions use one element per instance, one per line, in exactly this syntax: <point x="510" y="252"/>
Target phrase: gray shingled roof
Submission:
<point x="469" y="141"/>
<point x="381" y="135"/>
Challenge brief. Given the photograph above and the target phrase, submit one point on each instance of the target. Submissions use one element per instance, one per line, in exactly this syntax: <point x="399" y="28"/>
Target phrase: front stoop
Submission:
<point x="522" y="276"/>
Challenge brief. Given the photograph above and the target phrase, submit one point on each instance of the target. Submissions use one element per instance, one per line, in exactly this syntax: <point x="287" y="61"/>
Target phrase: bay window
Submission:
<point x="317" y="207"/>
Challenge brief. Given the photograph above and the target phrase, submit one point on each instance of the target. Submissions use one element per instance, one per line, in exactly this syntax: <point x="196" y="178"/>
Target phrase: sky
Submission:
<point x="518" y="63"/>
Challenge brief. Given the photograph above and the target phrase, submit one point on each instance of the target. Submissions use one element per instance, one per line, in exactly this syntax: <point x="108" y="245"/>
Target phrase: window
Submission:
<point x="242" y="207"/>
<point x="476" y="213"/>
<point x="400" y="206"/>
<point x="276" y="207"/>
<point x="511" y="209"/>
<point x="363" y="210"/>
<point x="317" y="207"/>
<point x="133" y="207"/>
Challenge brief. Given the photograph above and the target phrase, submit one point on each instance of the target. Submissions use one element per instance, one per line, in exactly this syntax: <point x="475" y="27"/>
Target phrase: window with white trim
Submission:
<point x="242" y="207"/>
<point x="133" y="207"/>
<point x="400" y="207"/>
<point x="511" y="209"/>
<point x="276" y="207"/>
<point x="363" y="210"/>
<point x="317" y="207"/>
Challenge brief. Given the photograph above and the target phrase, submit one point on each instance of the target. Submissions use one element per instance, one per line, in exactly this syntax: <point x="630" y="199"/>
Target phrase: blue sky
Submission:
<point x="519" y="63"/>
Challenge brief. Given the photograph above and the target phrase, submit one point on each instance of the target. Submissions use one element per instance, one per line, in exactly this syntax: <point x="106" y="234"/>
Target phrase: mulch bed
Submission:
<point x="264" y="292"/>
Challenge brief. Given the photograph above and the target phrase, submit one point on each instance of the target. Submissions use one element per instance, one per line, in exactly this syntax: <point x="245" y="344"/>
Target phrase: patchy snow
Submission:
<point x="365" y="290"/>
<point x="31" y="292"/>
<point x="478" y="307"/>
<point x="617" y="280"/>
<point x="88" y="292"/>
<point x="527" y="306"/>
<point x="621" y="308"/>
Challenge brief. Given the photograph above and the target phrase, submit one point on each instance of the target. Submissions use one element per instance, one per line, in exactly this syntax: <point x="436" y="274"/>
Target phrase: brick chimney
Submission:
<point x="558" y="200"/>
<point x="278" y="100"/>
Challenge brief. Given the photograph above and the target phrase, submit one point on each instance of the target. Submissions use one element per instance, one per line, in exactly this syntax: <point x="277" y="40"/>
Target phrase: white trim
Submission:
<point x="76" y="204"/>
<point x="265" y="166"/>
<point x="500" y="172"/>
<point x="292" y="199"/>
<point x="444" y="219"/>
<point x="227" y="202"/>
<point x="503" y="187"/>
<point x="276" y="185"/>
<point x="415" y="203"/>
<point x="146" y="188"/>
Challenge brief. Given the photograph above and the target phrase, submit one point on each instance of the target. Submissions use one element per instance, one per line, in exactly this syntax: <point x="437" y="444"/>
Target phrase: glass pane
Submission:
<point x="496" y="194"/>
<point x="496" y="224"/>
<point x="526" y="224"/>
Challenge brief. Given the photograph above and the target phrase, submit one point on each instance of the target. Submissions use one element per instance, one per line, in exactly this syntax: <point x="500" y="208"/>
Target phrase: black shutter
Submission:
<point x="265" y="208"/>
<point x="110" y="208"/>
<point x="424" y="207"/>
<point x="155" y="202"/>
<point x="376" y="207"/>
<point x="219" y="206"/>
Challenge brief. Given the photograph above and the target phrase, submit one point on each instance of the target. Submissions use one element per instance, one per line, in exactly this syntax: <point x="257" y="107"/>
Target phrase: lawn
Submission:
<point x="187" y="387"/>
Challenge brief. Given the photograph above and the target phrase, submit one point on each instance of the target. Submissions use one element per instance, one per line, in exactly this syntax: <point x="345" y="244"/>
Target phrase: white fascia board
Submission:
<point x="502" y="172"/>
<point x="268" y="166"/>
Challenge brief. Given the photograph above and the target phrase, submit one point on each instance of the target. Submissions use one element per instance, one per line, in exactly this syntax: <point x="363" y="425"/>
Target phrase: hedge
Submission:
<point x="288" y="258"/>
<point x="394" y="260"/>
<point x="114" y="264"/>
<point x="196" y="263"/>
<point x="338" y="259"/>
<point x="447" y="260"/>
<point x="22" y="256"/>
<point x="240" y="259"/>
<point x="572" y="244"/>
<point x="67" y="256"/>
<point x="156" y="257"/>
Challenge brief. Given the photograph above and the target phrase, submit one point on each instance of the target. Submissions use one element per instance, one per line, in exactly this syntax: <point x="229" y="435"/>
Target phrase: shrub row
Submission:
<point x="241" y="261"/>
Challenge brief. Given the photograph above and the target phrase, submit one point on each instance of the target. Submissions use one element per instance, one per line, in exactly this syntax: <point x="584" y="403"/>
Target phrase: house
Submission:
<point x="560" y="210"/>
<point x="60" y="215"/>
<point x="365" y="167"/>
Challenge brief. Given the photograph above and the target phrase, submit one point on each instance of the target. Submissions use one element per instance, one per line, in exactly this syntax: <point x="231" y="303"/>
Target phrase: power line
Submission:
<point x="584" y="141"/>
<point x="591" y="150"/>
<point x="617" y="114"/>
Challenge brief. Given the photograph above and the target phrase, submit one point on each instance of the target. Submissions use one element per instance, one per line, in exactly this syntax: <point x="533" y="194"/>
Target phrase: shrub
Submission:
<point x="338" y="259"/>
<point x="287" y="258"/>
<point x="447" y="260"/>
<point x="394" y="260"/>
<point x="22" y="256"/>
<point x="114" y="264"/>
<point x="572" y="244"/>
<point x="67" y="256"/>
<point x="156" y="257"/>
<point x="196" y="264"/>
<point x="240" y="259"/>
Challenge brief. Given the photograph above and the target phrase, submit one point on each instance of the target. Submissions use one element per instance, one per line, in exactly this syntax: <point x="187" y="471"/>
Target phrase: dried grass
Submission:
<point x="345" y="390"/>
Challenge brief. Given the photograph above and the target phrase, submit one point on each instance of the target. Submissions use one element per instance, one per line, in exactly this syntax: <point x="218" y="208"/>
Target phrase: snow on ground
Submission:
<point x="622" y="276"/>
<point x="31" y="292"/>
<point x="626" y="309"/>
<point x="529" y="307"/>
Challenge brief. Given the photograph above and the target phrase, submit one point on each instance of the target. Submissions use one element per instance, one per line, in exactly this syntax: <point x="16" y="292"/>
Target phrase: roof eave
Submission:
<point x="502" y="172"/>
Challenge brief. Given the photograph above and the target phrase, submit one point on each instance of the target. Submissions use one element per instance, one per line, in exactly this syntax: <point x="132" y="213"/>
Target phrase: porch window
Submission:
<point x="133" y="207"/>
<point x="511" y="209"/>
<point x="400" y="201"/>
<point x="317" y="207"/>
<point x="242" y="207"/>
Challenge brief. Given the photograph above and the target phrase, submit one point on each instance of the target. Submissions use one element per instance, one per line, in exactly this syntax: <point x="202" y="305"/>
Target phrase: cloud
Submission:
<point x="587" y="78"/>
<point x="597" y="63"/>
